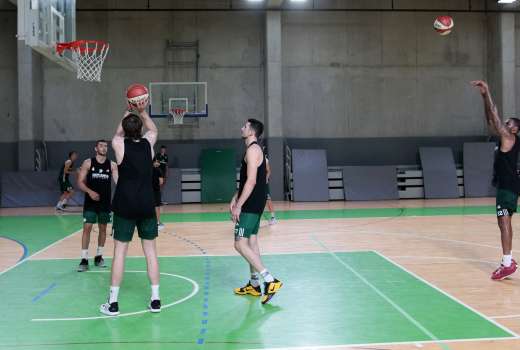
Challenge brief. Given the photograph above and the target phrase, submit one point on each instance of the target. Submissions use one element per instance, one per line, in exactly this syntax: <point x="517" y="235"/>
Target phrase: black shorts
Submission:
<point x="163" y="170"/>
<point x="65" y="186"/>
<point x="157" y="198"/>
<point x="507" y="202"/>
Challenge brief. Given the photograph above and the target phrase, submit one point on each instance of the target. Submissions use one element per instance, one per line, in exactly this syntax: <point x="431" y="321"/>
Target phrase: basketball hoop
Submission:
<point x="176" y="116"/>
<point x="88" y="55"/>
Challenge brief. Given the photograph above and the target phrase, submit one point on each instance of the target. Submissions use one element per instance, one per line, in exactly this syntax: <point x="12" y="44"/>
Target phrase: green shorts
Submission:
<point x="123" y="229"/>
<point x="91" y="217"/>
<point x="248" y="225"/>
<point x="507" y="202"/>
<point x="65" y="186"/>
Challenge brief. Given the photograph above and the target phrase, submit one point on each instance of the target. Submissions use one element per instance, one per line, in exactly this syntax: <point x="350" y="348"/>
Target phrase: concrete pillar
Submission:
<point x="30" y="105"/>
<point x="507" y="62"/>
<point x="273" y="100"/>
<point x="501" y="62"/>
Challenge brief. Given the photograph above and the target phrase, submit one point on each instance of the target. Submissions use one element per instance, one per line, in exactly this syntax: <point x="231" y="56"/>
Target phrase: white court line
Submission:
<point x="384" y="296"/>
<point x="448" y="295"/>
<point x="419" y="342"/>
<point x="504" y="317"/>
<point x="39" y="252"/>
<point x="193" y="292"/>
<point x="491" y="262"/>
<point x="430" y="238"/>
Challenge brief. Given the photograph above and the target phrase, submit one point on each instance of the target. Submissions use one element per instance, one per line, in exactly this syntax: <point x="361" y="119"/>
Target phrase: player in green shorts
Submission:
<point x="133" y="204"/>
<point x="506" y="177"/>
<point x="246" y="209"/>
<point x="95" y="179"/>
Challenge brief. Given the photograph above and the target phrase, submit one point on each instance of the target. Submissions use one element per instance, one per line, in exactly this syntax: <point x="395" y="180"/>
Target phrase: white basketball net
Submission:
<point x="88" y="55"/>
<point x="176" y="116"/>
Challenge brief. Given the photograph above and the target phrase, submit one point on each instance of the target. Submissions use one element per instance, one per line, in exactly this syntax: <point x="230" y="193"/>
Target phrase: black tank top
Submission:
<point x="99" y="179"/>
<point x="134" y="197"/>
<point x="505" y="168"/>
<point x="62" y="176"/>
<point x="256" y="201"/>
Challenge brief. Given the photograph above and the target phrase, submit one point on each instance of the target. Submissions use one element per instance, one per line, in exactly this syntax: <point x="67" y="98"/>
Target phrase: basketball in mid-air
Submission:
<point x="443" y="25"/>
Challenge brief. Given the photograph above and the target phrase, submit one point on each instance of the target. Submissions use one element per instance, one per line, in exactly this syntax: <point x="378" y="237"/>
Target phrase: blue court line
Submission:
<point x="207" y="276"/>
<point x="25" y="249"/>
<point x="44" y="292"/>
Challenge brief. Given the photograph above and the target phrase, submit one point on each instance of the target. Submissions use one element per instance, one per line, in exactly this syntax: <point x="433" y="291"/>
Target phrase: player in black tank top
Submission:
<point x="505" y="167"/>
<point x="162" y="157"/>
<point x="246" y="209"/>
<point x="134" y="199"/>
<point x="255" y="203"/>
<point x="95" y="179"/>
<point x="506" y="177"/>
<point x="157" y="182"/>
<point x="64" y="182"/>
<point x="133" y="202"/>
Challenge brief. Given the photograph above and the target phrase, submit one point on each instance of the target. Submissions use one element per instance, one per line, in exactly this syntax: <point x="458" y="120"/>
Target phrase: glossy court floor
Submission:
<point x="368" y="275"/>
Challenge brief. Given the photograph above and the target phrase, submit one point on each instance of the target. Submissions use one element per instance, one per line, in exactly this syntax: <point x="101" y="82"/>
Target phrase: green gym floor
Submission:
<point x="330" y="297"/>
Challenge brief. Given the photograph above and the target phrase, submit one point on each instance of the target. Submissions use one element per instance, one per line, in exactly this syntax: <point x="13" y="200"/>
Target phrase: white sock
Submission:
<point x="267" y="276"/>
<point x="84" y="254"/>
<point x="60" y="203"/>
<point x="255" y="279"/>
<point x="506" y="260"/>
<point x="272" y="215"/>
<point x="99" y="250"/>
<point x="114" y="292"/>
<point x="155" y="292"/>
<point x="64" y="201"/>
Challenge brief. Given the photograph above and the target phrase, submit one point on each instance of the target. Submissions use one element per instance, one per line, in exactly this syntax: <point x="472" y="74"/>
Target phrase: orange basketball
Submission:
<point x="137" y="94"/>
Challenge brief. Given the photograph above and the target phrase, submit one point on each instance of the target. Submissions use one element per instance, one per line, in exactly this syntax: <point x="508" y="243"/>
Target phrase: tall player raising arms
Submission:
<point x="133" y="203"/>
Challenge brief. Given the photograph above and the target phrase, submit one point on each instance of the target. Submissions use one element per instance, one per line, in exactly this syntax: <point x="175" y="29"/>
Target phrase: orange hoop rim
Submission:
<point x="178" y="111"/>
<point x="82" y="46"/>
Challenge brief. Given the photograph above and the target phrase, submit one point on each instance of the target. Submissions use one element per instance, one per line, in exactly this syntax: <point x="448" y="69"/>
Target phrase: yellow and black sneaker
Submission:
<point x="248" y="289"/>
<point x="270" y="290"/>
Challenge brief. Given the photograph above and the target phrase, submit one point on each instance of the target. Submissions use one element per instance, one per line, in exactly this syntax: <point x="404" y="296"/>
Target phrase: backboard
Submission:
<point x="190" y="96"/>
<point x="43" y="23"/>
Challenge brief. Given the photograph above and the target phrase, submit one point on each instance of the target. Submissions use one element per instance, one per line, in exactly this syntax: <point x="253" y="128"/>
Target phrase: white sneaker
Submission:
<point x="272" y="221"/>
<point x="109" y="309"/>
<point x="160" y="226"/>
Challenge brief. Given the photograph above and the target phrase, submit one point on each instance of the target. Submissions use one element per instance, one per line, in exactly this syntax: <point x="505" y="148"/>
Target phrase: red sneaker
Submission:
<point x="503" y="272"/>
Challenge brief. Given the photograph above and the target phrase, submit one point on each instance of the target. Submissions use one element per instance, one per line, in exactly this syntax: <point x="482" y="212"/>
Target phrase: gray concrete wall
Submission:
<point x="7" y="5"/>
<point x="8" y="89"/>
<point x="8" y="156"/>
<point x="517" y="62"/>
<point x="359" y="71"/>
<point x="346" y="75"/>
<point x="231" y="61"/>
<point x="9" y="86"/>
<point x="380" y="74"/>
